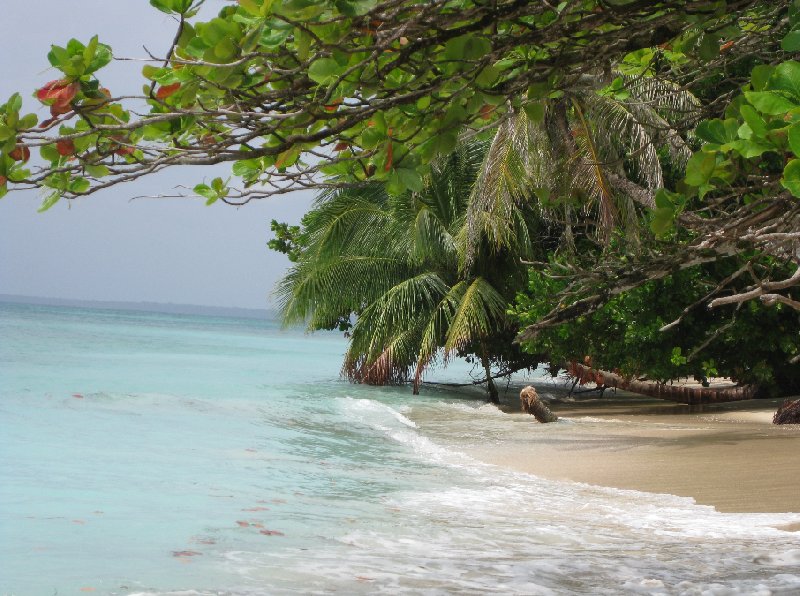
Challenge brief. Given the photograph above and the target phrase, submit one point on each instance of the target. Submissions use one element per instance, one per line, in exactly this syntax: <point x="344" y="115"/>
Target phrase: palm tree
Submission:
<point x="398" y="264"/>
<point x="594" y="158"/>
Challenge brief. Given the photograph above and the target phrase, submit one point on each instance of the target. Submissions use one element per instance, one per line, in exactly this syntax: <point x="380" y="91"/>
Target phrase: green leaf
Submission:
<point x="700" y="167"/>
<point x="14" y="103"/>
<point x="666" y="199"/>
<point x="753" y="120"/>
<point x="79" y="185"/>
<point x="323" y="70"/>
<point x="446" y="142"/>
<point x="49" y="201"/>
<point x="18" y="174"/>
<point x="28" y="121"/>
<point x="89" y="50"/>
<point x="662" y="221"/>
<point x="770" y="102"/>
<point x="411" y="179"/>
<point x="791" y="177"/>
<point x="749" y="149"/>
<point x="467" y="47"/>
<point x="535" y="111"/>
<point x="98" y="171"/>
<point x="57" y="56"/>
<point x="760" y="75"/>
<point x="251" y="6"/>
<point x="786" y="77"/>
<point x="163" y="5"/>
<point x="247" y="168"/>
<point x="49" y="153"/>
<point x="794" y="138"/>
<point x="487" y="76"/>
<point x="539" y="90"/>
<point x="709" y="47"/>
<point x="371" y="137"/>
<point x="218" y="184"/>
<point x="791" y="42"/>
<point x="718" y="131"/>
<point x="205" y="191"/>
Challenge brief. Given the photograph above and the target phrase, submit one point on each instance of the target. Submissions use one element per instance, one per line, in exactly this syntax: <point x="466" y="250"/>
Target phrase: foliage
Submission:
<point x="368" y="98"/>
<point x="591" y="157"/>
<point x="398" y="264"/>
<point x="631" y="334"/>
<point x="734" y="199"/>
<point x="350" y="89"/>
<point x="287" y="240"/>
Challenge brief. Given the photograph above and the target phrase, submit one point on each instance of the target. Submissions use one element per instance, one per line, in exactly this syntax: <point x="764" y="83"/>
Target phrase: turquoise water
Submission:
<point x="144" y="453"/>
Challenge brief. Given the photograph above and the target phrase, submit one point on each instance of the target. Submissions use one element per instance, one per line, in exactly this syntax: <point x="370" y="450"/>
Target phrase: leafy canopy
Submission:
<point x="302" y="93"/>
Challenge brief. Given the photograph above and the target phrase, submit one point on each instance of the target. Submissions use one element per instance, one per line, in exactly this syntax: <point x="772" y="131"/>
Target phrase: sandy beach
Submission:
<point x="729" y="456"/>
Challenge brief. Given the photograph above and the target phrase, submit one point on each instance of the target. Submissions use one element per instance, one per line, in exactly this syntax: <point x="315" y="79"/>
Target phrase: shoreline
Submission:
<point x="729" y="456"/>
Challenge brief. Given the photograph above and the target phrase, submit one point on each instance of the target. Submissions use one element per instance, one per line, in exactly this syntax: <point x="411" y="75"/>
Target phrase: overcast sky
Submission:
<point x="107" y="246"/>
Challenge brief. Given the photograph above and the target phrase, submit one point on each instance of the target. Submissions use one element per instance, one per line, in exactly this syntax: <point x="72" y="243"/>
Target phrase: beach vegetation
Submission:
<point x="394" y="272"/>
<point x="651" y="145"/>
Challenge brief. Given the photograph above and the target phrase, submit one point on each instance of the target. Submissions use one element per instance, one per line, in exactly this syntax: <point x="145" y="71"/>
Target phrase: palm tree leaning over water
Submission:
<point x="430" y="275"/>
<point x="399" y="265"/>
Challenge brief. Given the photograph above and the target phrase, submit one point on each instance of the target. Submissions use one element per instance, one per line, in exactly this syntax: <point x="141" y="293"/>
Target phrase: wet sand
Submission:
<point x="729" y="456"/>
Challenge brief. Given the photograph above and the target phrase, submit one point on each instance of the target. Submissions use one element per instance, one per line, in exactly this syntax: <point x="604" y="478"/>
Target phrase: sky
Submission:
<point x="111" y="245"/>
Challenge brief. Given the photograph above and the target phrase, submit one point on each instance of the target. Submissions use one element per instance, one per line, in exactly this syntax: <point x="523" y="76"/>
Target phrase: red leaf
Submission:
<point x="271" y="533"/>
<point x="77" y="395"/>
<point x="57" y="109"/>
<point x="185" y="553"/>
<point x="20" y="153"/>
<point x="243" y="524"/>
<point x="167" y="90"/>
<point x="58" y="92"/>
<point x="122" y="149"/>
<point x="389" y="158"/>
<point x="65" y="147"/>
<point x="3" y="180"/>
<point x="334" y="105"/>
<point x="341" y="146"/>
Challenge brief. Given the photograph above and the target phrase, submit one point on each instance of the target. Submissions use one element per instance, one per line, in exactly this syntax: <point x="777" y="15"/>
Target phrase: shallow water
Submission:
<point x="160" y="454"/>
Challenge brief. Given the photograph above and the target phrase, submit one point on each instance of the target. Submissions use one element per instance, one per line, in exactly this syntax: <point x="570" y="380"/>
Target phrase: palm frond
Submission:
<point x="480" y="310"/>
<point x="516" y="162"/>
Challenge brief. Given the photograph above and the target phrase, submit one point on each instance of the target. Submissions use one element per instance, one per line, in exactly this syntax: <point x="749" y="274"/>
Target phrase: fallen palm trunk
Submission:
<point x="531" y="404"/>
<point x="788" y="413"/>
<point x="678" y="393"/>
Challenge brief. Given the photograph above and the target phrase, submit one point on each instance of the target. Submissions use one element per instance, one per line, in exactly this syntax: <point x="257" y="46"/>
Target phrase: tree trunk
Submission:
<point x="788" y="413"/>
<point x="678" y="393"/>
<point x="490" y="386"/>
<point x="530" y="402"/>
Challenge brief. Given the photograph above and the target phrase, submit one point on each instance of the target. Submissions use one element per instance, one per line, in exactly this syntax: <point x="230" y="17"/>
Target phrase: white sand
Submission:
<point x="730" y="456"/>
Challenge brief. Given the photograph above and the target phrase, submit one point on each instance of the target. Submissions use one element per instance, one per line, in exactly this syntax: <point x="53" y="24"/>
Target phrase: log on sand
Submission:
<point x="531" y="404"/>
<point x="678" y="393"/>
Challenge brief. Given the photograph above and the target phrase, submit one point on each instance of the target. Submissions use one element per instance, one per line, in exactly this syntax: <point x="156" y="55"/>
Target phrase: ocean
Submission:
<point x="146" y="453"/>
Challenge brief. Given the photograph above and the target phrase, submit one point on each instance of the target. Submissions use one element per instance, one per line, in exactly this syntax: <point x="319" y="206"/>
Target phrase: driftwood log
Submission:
<point x="678" y="393"/>
<point x="788" y="413"/>
<point x="531" y="404"/>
